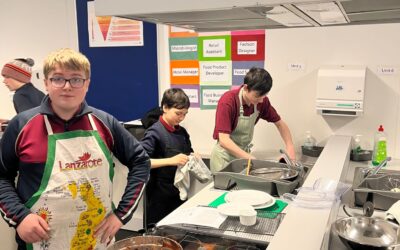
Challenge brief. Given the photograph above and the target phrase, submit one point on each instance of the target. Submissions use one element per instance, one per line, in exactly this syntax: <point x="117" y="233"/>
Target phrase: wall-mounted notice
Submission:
<point x="110" y="31"/>
<point x="183" y="48"/>
<point x="184" y="72"/>
<point x="215" y="73"/>
<point x="214" y="48"/>
<point x="296" y="66"/>
<point x="210" y="95"/>
<point x="240" y="69"/>
<point x="386" y="70"/>
<point x="192" y="91"/>
<point x="248" y="47"/>
<point x="213" y="62"/>
<point x="181" y="32"/>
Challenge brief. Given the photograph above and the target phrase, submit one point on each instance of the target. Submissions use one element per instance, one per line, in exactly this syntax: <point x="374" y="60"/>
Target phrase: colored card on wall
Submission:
<point x="181" y="32"/>
<point x="216" y="73"/>
<point x="112" y="31"/>
<point x="210" y="95"/>
<point x="248" y="47"/>
<point x="192" y="91"/>
<point x="214" y="48"/>
<point x="183" y="48"/>
<point x="239" y="70"/>
<point x="184" y="71"/>
<point x="247" y="32"/>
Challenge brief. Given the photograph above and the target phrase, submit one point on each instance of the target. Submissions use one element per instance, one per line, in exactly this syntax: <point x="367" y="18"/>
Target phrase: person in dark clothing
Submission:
<point x="17" y="77"/>
<point x="168" y="146"/>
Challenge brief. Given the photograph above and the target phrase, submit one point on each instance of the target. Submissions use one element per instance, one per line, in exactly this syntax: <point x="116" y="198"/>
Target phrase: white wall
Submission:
<point x="32" y="29"/>
<point x="293" y="93"/>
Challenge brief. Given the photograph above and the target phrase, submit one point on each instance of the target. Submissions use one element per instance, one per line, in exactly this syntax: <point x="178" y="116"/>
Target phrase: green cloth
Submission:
<point x="272" y="212"/>
<point x="219" y="201"/>
<point x="269" y="212"/>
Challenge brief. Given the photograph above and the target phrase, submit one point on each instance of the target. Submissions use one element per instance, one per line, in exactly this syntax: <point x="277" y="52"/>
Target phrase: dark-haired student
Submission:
<point x="237" y="113"/>
<point x="169" y="147"/>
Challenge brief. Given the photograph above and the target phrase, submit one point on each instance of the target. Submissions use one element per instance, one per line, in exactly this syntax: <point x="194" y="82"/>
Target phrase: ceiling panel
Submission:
<point x="257" y="14"/>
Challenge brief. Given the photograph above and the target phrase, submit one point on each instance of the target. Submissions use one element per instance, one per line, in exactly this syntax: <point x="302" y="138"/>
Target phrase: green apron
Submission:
<point x="76" y="189"/>
<point x="242" y="135"/>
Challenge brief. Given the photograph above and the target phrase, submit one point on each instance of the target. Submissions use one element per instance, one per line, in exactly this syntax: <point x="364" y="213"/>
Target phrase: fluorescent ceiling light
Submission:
<point x="324" y="13"/>
<point x="283" y="16"/>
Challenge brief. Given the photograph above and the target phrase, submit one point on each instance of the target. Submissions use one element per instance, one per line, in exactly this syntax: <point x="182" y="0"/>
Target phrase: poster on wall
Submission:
<point x="111" y="31"/>
<point x="206" y="65"/>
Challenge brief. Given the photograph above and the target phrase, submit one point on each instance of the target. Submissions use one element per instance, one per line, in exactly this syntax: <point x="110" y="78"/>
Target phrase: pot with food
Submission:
<point x="146" y="243"/>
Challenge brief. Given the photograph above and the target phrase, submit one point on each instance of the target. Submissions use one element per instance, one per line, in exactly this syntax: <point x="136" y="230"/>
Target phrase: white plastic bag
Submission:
<point x="199" y="169"/>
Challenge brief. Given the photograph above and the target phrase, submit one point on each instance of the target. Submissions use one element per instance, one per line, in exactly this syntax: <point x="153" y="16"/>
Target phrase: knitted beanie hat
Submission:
<point x="19" y="69"/>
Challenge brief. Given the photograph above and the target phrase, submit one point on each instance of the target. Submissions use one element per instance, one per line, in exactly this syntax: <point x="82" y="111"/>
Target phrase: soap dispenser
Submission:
<point x="357" y="145"/>
<point x="309" y="142"/>
<point x="380" y="153"/>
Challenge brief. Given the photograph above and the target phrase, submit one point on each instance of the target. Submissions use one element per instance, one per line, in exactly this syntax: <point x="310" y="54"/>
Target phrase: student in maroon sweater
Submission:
<point x="237" y="113"/>
<point x="62" y="153"/>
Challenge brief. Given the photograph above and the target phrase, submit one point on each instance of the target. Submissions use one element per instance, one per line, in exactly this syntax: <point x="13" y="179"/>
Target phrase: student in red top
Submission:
<point x="237" y="113"/>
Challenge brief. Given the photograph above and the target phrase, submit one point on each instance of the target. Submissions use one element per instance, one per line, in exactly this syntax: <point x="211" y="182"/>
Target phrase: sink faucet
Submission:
<point x="380" y="166"/>
<point x="287" y="158"/>
<point x="367" y="172"/>
<point x="293" y="164"/>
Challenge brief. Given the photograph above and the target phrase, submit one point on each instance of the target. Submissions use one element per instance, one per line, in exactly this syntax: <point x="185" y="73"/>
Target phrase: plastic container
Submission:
<point x="313" y="151"/>
<point x="322" y="195"/>
<point x="379" y="153"/>
<point x="309" y="142"/>
<point x="248" y="217"/>
<point x="363" y="155"/>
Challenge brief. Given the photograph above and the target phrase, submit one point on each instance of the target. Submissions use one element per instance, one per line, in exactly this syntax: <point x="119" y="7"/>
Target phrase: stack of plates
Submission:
<point x="245" y="199"/>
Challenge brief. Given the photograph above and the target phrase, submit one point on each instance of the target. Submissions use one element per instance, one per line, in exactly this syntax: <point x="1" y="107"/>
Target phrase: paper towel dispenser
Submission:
<point x="340" y="90"/>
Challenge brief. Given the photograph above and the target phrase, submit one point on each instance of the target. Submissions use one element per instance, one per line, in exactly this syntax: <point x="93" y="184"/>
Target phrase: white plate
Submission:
<point x="265" y="205"/>
<point x="250" y="197"/>
<point x="233" y="208"/>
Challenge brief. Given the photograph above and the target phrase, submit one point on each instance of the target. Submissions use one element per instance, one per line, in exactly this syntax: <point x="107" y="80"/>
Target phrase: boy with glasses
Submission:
<point x="62" y="153"/>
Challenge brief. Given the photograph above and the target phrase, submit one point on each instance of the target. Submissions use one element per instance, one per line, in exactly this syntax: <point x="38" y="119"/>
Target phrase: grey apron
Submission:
<point x="242" y="135"/>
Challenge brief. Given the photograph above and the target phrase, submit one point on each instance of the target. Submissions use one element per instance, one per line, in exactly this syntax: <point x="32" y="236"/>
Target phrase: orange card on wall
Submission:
<point x="184" y="71"/>
<point x="180" y="32"/>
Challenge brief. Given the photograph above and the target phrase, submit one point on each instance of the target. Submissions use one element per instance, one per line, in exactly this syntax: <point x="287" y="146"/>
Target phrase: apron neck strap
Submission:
<point x="48" y="126"/>
<point x="241" y="110"/>
<point x="50" y="130"/>
<point x="92" y="122"/>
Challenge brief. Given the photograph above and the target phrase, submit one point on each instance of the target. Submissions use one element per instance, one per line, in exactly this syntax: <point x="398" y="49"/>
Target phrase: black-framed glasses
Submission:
<point x="60" y="82"/>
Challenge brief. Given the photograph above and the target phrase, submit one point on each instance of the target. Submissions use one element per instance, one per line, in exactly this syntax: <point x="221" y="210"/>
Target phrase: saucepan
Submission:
<point x="275" y="173"/>
<point x="146" y="243"/>
<point x="362" y="232"/>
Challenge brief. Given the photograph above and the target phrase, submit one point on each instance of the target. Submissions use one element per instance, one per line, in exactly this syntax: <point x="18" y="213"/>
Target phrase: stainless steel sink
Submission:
<point x="376" y="188"/>
<point x="235" y="173"/>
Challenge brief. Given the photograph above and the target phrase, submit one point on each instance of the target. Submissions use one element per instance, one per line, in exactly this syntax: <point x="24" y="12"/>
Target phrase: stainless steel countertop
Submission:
<point x="333" y="242"/>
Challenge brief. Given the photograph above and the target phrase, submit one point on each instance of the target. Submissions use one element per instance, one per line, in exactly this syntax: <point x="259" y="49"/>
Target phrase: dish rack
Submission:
<point x="234" y="174"/>
<point x="265" y="228"/>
